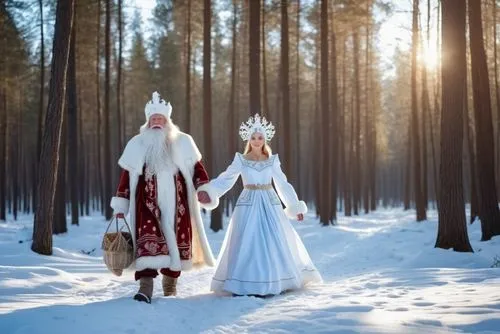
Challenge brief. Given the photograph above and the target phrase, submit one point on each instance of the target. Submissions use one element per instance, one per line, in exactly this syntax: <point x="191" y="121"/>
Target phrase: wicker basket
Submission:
<point x="118" y="247"/>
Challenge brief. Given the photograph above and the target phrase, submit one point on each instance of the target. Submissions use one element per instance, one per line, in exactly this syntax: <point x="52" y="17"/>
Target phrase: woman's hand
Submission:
<point x="300" y="217"/>
<point x="203" y="197"/>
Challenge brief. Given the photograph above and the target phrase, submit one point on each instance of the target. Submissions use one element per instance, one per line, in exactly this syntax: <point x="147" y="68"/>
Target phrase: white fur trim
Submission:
<point x="153" y="262"/>
<point x="184" y="150"/>
<point x="120" y="205"/>
<point x="214" y="199"/>
<point x="293" y="210"/>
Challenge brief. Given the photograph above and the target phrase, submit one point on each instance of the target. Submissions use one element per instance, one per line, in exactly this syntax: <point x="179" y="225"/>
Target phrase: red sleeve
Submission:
<point x="124" y="186"/>
<point x="200" y="175"/>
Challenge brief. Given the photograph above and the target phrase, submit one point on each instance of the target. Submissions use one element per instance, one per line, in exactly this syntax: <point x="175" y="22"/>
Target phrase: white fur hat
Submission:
<point x="157" y="106"/>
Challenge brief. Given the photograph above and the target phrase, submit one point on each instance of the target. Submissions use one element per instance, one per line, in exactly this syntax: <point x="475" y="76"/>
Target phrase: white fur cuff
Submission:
<point x="120" y="205"/>
<point x="214" y="199"/>
<point x="293" y="210"/>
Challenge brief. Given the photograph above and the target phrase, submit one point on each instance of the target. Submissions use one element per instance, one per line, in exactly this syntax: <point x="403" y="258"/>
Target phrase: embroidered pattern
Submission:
<point x="257" y="165"/>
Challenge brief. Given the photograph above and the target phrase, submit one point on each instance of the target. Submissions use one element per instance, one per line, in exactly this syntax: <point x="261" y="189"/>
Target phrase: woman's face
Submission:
<point x="257" y="141"/>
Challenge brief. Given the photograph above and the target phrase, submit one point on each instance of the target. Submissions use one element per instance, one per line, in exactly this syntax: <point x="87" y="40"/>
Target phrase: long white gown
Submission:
<point x="262" y="253"/>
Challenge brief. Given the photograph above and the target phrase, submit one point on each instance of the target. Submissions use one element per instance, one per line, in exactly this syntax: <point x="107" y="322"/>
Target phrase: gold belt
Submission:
<point x="258" y="186"/>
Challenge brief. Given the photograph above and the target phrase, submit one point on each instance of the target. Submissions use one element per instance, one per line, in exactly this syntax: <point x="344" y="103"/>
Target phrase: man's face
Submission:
<point x="157" y="121"/>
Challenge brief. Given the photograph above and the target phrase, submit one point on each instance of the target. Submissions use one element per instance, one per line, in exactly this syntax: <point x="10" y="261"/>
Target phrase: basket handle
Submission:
<point x="115" y="219"/>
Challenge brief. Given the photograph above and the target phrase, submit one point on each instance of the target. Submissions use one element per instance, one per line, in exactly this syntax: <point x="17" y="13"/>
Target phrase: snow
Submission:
<point x="381" y="274"/>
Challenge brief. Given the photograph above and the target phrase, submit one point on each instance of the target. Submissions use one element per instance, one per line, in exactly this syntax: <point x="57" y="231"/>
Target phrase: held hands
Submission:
<point x="120" y="215"/>
<point x="203" y="197"/>
<point x="300" y="217"/>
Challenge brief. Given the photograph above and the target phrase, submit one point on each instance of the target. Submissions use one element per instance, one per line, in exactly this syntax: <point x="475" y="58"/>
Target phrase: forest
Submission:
<point x="358" y="128"/>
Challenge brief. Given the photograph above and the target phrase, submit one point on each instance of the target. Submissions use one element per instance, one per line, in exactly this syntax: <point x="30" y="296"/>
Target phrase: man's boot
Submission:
<point x="145" y="290"/>
<point x="169" y="286"/>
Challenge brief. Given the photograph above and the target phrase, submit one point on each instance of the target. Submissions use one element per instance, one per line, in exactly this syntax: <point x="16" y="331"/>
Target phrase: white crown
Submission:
<point x="157" y="106"/>
<point x="257" y="124"/>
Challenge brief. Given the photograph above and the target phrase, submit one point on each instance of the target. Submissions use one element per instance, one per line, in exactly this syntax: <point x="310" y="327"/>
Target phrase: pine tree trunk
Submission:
<point x="357" y="131"/>
<point x="452" y="229"/>
<point x="285" y="89"/>
<point x="98" y="151"/>
<point x="59" y="224"/>
<point x="298" y="156"/>
<point x="119" y="79"/>
<point x="435" y="115"/>
<point x="254" y="56"/>
<point x="72" y="129"/>
<point x="488" y="211"/>
<point x="3" y="152"/>
<point x="415" y="125"/>
<point x="368" y="120"/>
<point x="216" y="215"/>
<point x="407" y="175"/>
<point x="84" y="181"/>
<point x="41" y="104"/>
<point x="497" y="91"/>
<point x="469" y="132"/>
<point x="344" y="178"/>
<point x="266" y="111"/>
<point x="426" y="105"/>
<point x="14" y="161"/>
<point x="325" y="192"/>
<point x="334" y="107"/>
<point x="107" y="113"/>
<point x="42" y="227"/>
<point x="188" y="67"/>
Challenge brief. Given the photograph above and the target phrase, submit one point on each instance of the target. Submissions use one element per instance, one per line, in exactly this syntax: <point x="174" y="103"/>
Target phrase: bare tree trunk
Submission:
<point x="285" y="88"/>
<point x="497" y="90"/>
<point x="488" y="211"/>
<point x="107" y="90"/>
<point x="41" y="104"/>
<point x="72" y="122"/>
<point x="59" y="224"/>
<point x="325" y="174"/>
<point x="426" y="105"/>
<point x="333" y="163"/>
<point x="254" y="56"/>
<point x="14" y="160"/>
<point x="266" y="110"/>
<point x="216" y="216"/>
<point x="298" y="156"/>
<point x="119" y="78"/>
<point x="98" y="151"/>
<point x="437" y="112"/>
<point x="469" y="133"/>
<point x="84" y="181"/>
<point x="452" y="229"/>
<point x="357" y="132"/>
<point x="42" y="227"/>
<point x="188" y="68"/>
<point x="368" y="119"/>
<point x="407" y="185"/>
<point x="344" y="178"/>
<point x="3" y="152"/>
<point x="417" y="175"/>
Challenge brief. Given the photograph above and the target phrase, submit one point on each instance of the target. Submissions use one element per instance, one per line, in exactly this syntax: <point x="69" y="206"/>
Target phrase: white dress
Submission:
<point x="262" y="253"/>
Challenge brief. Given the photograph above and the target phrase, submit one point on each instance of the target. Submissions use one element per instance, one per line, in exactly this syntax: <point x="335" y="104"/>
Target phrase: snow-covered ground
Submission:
<point x="381" y="274"/>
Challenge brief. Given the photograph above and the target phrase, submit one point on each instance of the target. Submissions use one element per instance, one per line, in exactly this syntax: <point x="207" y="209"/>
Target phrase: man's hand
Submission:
<point x="300" y="217"/>
<point x="203" y="197"/>
<point x="120" y="215"/>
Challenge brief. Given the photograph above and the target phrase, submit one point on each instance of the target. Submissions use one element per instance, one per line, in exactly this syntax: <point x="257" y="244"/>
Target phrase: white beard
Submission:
<point x="158" y="155"/>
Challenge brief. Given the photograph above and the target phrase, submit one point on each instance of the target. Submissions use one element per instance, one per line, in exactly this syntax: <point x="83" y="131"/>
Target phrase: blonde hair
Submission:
<point x="266" y="149"/>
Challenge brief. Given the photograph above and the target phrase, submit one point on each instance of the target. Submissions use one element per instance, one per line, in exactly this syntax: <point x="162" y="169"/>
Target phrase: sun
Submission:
<point x="430" y="57"/>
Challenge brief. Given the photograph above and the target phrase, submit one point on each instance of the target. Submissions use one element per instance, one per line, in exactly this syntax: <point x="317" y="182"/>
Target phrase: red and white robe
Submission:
<point x="164" y="213"/>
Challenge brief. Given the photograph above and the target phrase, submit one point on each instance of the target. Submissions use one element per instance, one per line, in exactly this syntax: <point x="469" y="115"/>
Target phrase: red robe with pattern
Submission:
<point x="150" y="240"/>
